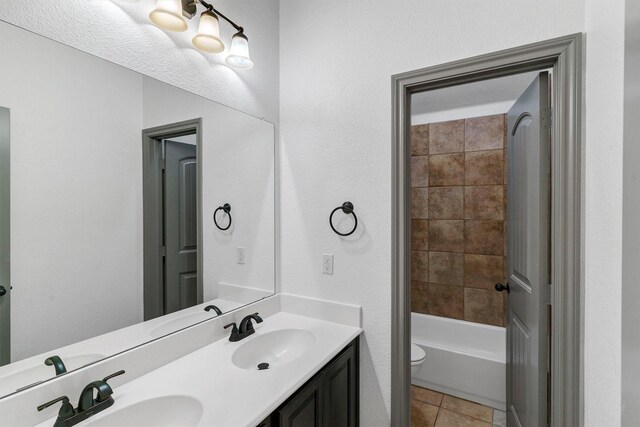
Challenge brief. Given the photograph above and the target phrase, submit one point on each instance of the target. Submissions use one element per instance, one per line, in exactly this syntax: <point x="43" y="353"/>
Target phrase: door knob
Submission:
<point x="500" y="287"/>
<point x="3" y="291"/>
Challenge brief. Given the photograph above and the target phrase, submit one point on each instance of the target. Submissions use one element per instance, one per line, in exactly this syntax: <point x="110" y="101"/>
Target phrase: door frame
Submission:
<point x="565" y="56"/>
<point x="153" y="296"/>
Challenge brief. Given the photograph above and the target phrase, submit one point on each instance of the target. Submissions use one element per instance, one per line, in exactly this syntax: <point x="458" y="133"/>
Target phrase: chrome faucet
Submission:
<point x="87" y="404"/>
<point x="245" y="329"/>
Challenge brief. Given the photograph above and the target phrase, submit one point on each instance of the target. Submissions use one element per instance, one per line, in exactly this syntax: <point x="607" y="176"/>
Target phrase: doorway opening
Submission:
<point x="463" y="175"/>
<point x="477" y="150"/>
<point x="172" y="220"/>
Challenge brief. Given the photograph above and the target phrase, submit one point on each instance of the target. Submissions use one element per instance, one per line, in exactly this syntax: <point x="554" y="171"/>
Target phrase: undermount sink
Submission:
<point x="165" y="411"/>
<point x="276" y="348"/>
<point x="41" y="372"/>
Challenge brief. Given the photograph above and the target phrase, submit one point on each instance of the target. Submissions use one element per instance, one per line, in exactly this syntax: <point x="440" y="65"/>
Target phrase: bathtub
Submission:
<point x="464" y="359"/>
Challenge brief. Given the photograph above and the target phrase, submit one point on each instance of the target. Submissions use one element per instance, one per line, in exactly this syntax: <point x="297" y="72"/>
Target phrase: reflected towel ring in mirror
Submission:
<point x="347" y="208"/>
<point x="226" y="208"/>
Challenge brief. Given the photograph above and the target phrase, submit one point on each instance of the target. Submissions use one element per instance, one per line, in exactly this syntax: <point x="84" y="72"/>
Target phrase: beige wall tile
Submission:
<point x="484" y="133"/>
<point x="420" y="234"/>
<point x="420" y="266"/>
<point x="484" y="167"/>
<point x="484" y="237"/>
<point x="466" y="407"/>
<point x="484" y="202"/>
<point x="446" y="268"/>
<point x="446" y="137"/>
<point x="420" y="140"/>
<point x="484" y="306"/>
<point x="446" y="235"/>
<point x="446" y="203"/>
<point x="420" y="171"/>
<point x="446" y="169"/>
<point x="423" y="414"/>
<point x="426" y="395"/>
<point x="419" y="297"/>
<point x="446" y="301"/>
<point x="483" y="271"/>
<point x="420" y="203"/>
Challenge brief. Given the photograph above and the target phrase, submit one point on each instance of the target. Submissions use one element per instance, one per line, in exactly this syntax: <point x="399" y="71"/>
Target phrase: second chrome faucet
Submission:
<point x="245" y="329"/>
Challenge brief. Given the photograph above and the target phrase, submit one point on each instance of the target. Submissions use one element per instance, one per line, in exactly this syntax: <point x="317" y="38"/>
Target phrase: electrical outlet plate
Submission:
<point x="327" y="264"/>
<point x="240" y="255"/>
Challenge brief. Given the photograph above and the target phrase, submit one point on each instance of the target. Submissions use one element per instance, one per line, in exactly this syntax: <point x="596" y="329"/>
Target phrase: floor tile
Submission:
<point x="423" y="414"/>
<point x="467" y="407"/>
<point x="426" y="395"/>
<point x="448" y="418"/>
<point x="499" y="418"/>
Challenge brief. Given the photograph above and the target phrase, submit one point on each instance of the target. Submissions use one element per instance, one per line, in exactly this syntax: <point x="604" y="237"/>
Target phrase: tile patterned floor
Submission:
<point x="433" y="409"/>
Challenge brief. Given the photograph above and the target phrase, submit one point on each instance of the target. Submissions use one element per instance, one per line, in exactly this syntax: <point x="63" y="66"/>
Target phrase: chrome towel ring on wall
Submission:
<point x="226" y="208"/>
<point x="347" y="208"/>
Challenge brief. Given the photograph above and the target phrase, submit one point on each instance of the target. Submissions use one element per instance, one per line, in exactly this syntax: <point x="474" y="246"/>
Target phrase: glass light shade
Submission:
<point x="239" y="53"/>
<point x="168" y="15"/>
<point x="208" y="37"/>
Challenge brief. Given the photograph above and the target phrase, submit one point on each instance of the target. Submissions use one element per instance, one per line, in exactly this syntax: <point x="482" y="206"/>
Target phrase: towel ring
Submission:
<point x="347" y="208"/>
<point x="226" y="208"/>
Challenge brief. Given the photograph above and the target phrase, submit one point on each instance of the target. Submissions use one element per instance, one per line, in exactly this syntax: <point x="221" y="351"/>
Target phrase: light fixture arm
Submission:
<point x="217" y="12"/>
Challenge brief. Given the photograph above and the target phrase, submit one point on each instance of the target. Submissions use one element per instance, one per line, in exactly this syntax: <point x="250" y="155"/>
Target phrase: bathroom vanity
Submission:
<point x="197" y="377"/>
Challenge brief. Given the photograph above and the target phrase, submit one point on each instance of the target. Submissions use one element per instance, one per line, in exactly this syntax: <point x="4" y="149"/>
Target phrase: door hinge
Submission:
<point x="546" y="117"/>
<point x="163" y="251"/>
<point x="163" y="164"/>
<point x="549" y="294"/>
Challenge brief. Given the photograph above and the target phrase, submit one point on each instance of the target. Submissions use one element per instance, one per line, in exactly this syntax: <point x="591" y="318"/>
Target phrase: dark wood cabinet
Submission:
<point x="329" y="399"/>
<point x="305" y="407"/>
<point x="340" y="390"/>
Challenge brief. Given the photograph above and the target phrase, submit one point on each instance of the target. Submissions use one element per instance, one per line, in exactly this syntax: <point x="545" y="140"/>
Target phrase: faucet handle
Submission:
<point x="115" y="374"/>
<point x="235" y="335"/>
<point x="66" y="410"/>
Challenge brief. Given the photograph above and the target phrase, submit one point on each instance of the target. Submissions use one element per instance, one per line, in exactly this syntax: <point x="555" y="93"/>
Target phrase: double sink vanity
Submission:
<point x="298" y="368"/>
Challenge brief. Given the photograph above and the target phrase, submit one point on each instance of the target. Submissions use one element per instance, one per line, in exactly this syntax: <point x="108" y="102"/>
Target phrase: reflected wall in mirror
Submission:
<point x="114" y="179"/>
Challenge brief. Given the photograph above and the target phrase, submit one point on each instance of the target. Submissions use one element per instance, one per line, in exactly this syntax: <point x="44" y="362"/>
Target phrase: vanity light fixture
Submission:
<point x="170" y="16"/>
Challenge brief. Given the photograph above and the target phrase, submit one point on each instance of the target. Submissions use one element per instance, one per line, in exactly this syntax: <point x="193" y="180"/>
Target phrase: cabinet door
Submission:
<point x="305" y="409"/>
<point x="340" y="384"/>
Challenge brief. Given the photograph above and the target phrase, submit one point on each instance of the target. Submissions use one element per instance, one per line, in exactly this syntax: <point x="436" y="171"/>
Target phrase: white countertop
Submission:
<point x="231" y="396"/>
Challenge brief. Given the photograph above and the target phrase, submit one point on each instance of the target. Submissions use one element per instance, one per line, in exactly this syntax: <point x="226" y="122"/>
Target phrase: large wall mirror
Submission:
<point x="109" y="183"/>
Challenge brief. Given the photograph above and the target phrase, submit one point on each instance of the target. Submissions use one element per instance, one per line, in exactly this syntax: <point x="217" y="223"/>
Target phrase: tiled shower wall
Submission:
<point x="458" y="211"/>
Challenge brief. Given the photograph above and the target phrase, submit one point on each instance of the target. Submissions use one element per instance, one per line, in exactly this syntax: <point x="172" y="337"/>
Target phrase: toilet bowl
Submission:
<point x="417" y="359"/>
